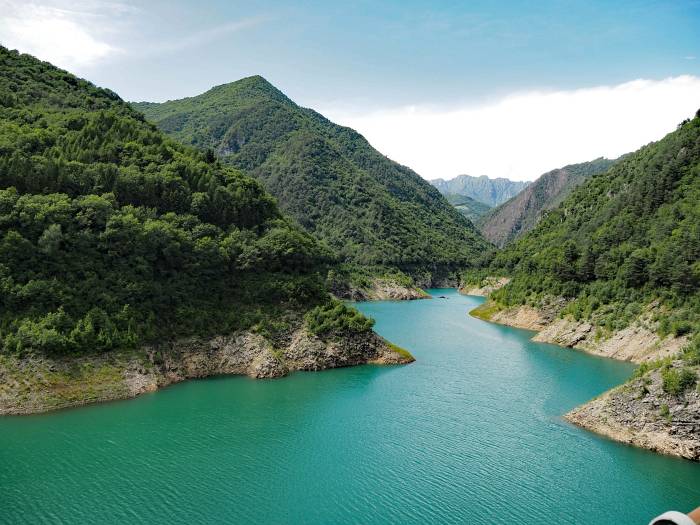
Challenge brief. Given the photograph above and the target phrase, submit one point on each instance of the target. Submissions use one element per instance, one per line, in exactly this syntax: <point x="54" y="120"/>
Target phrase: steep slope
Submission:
<point x="615" y="270"/>
<point x="630" y="234"/>
<point x="470" y="208"/>
<point x="483" y="189"/>
<point x="519" y="214"/>
<point x="114" y="237"/>
<point x="370" y="210"/>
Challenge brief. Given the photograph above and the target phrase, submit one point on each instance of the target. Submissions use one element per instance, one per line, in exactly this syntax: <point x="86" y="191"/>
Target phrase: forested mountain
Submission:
<point x="624" y="238"/>
<point x="483" y="189"/>
<point x="519" y="214"/>
<point x="112" y="234"/>
<point x="367" y="208"/>
<point x="470" y="208"/>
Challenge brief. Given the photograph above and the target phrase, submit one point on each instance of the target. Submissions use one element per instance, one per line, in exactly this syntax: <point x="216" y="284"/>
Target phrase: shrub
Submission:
<point x="336" y="318"/>
<point x="675" y="381"/>
<point x="681" y="327"/>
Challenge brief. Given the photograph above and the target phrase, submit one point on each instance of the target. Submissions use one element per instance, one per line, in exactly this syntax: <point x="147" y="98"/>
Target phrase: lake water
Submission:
<point x="470" y="433"/>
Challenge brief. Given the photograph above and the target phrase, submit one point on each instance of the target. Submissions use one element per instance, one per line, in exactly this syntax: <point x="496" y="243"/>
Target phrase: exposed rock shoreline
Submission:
<point x="639" y="412"/>
<point x="34" y="384"/>
<point x="637" y="343"/>
<point x="489" y="285"/>
<point x="385" y="290"/>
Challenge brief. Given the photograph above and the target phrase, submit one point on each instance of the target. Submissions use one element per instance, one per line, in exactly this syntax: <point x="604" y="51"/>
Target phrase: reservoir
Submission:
<point x="469" y="433"/>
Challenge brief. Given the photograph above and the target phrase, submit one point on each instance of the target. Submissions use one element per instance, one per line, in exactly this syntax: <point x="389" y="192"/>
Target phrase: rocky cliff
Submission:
<point x="39" y="383"/>
<point x="491" y="192"/>
<point x="521" y="213"/>
<point x="641" y="413"/>
<point x="485" y="287"/>
<point x="637" y="343"/>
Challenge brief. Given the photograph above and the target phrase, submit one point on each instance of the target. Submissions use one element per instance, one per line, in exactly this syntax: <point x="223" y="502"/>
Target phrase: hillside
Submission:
<point x="521" y="213"/>
<point x="625" y="237"/>
<point x="113" y="236"/>
<point x="470" y="208"/>
<point x="483" y="189"/>
<point x="614" y="270"/>
<point x="368" y="209"/>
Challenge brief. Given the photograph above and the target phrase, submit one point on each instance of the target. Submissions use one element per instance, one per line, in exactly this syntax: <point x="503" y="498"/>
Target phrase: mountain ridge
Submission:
<point x="520" y="213"/>
<point x="482" y="188"/>
<point x="117" y="242"/>
<point x="369" y="209"/>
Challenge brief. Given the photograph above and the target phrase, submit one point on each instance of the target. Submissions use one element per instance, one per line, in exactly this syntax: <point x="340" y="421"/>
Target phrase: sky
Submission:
<point x="509" y="88"/>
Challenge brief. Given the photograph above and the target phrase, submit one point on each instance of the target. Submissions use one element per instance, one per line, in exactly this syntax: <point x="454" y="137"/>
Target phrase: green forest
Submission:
<point x="371" y="211"/>
<point x="626" y="239"/>
<point x="113" y="235"/>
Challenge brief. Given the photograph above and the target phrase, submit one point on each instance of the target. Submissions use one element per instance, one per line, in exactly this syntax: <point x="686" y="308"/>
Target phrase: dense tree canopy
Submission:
<point x="620" y="240"/>
<point x="369" y="209"/>
<point x="112" y="234"/>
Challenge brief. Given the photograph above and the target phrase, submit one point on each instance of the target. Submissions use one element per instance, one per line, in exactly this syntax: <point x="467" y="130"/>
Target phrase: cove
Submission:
<point x="469" y="433"/>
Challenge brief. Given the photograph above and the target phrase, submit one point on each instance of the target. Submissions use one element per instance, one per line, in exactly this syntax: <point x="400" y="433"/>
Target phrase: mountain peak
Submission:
<point x="253" y="87"/>
<point x="482" y="188"/>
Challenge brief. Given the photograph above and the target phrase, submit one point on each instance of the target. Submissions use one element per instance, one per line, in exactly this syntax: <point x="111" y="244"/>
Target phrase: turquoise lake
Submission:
<point x="469" y="433"/>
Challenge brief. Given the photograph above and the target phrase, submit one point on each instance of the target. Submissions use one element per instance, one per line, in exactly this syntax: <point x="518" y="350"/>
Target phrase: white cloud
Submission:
<point x="63" y="33"/>
<point x="524" y="135"/>
<point x="199" y="38"/>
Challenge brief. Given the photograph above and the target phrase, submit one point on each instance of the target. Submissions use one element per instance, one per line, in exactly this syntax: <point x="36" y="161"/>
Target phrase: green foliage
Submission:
<point x="691" y="353"/>
<point x="335" y="318"/>
<point x="486" y="311"/>
<point x="112" y="235"/>
<point x="648" y="366"/>
<point x="472" y="209"/>
<point x="369" y="210"/>
<point x="676" y="382"/>
<point x="623" y="239"/>
<point x="401" y="351"/>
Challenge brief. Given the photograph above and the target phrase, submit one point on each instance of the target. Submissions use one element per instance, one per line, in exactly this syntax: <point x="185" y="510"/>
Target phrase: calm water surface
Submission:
<point x="470" y="433"/>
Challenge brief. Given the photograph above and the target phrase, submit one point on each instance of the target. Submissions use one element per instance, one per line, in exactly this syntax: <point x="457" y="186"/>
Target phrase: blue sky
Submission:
<point x="357" y="61"/>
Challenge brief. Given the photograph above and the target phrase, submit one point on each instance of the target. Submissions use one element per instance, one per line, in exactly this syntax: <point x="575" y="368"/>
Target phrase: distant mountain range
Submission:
<point x="521" y="213"/>
<point x="483" y="189"/>
<point x="367" y="208"/>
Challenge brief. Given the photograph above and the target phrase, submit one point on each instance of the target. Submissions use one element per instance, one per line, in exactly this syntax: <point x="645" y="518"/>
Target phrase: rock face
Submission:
<point x="38" y="383"/>
<point x="384" y="290"/>
<point x="482" y="189"/>
<point x="521" y="213"/>
<point x="640" y="413"/>
<point x="637" y="343"/>
<point x="488" y="285"/>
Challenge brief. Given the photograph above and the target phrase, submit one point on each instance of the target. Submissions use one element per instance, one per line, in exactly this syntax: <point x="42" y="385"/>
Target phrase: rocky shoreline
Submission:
<point x="639" y="412"/>
<point x="484" y="288"/>
<point x="637" y="343"/>
<point x="385" y="290"/>
<point x="33" y="384"/>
